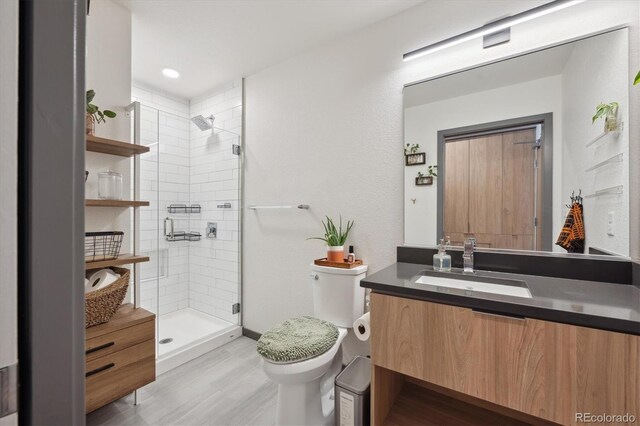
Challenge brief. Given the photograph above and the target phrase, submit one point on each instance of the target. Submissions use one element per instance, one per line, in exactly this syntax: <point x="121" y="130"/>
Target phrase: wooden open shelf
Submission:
<point x="416" y="405"/>
<point x="398" y="399"/>
<point x="123" y="259"/>
<point x="115" y="203"/>
<point x="114" y="147"/>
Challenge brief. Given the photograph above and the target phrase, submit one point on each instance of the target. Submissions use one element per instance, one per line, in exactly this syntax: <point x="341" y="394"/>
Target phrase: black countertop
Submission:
<point x="606" y="306"/>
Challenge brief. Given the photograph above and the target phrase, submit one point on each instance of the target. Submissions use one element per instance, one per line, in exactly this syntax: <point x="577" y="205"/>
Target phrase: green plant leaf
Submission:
<point x="90" y="95"/>
<point x="637" y="79"/>
<point x="109" y="113"/>
<point x="334" y="236"/>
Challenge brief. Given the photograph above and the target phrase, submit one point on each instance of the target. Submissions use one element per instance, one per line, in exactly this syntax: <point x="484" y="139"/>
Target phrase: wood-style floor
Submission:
<point x="227" y="386"/>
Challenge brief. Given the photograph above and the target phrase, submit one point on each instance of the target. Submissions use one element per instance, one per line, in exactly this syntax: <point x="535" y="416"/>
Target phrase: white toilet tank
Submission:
<point x="337" y="295"/>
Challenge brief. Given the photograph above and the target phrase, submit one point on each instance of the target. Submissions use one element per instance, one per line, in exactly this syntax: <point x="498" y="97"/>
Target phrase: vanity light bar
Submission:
<point x="492" y="28"/>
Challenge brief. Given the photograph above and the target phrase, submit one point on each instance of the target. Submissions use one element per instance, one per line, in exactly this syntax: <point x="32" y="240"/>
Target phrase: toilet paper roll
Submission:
<point x="100" y="279"/>
<point x="362" y="327"/>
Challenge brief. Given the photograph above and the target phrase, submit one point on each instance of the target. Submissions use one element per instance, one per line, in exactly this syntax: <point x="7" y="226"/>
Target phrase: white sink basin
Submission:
<point x="517" y="289"/>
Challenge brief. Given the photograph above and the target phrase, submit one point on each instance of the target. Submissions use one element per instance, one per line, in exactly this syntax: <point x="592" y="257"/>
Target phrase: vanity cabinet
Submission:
<point x="544" y="369"/>
<point x="120" y="356"/>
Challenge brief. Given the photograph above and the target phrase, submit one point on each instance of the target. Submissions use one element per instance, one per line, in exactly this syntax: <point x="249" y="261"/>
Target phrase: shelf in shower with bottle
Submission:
<point x="183" y="208"/>
<point x="183" y="236"/>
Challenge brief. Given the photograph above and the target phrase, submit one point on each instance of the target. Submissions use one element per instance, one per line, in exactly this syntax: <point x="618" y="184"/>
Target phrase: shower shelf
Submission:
<point x="183" y="208"/>
<point x="614" y="133"/>
<point x="614" y="190"/>
<point x="183" y="236"/>
<point x="613" y="160"/>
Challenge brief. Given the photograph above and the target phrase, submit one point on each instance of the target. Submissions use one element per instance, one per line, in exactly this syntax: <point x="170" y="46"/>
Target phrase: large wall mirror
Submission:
<point x="510" y="153"/>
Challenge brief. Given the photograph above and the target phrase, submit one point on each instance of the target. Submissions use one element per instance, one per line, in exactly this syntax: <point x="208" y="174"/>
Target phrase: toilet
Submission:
<point x="305" y="387"/>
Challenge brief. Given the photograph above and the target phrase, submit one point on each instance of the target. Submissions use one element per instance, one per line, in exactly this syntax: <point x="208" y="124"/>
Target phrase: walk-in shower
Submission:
<point x="192" y="282"/>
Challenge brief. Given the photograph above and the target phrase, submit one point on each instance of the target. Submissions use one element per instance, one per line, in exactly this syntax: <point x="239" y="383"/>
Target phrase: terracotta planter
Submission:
<point x="335" y="253"/>
<point x="89" y="125"/>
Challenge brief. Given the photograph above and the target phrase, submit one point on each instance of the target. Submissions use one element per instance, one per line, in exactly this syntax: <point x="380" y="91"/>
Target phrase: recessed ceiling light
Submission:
<point x="171" y="73"/>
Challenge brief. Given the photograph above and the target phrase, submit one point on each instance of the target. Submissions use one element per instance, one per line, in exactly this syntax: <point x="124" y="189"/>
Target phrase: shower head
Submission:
<point x="203" y="123"/>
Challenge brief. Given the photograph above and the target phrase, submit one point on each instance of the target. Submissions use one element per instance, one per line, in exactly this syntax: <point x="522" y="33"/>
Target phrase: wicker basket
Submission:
<point x="101" y="305"/>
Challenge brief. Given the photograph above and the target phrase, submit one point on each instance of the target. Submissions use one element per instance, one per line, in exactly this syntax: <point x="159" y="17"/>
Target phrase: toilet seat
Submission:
<point x="297" y="339"/>
<point x="312" y="367"/>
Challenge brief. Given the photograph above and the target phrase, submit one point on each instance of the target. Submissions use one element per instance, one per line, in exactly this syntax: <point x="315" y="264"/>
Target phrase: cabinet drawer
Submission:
<point x="115" y="375"/>
<point x="118" y="340"/>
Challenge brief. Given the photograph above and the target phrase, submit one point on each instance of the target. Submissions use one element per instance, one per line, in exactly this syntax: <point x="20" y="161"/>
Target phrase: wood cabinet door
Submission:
<point x="532" y="367"/>
<point x="440" y="344"/>
<point x="485" y="185"/>
<point x="397" y="334"/>
<point x="456" y="190"/>
<point x="607" y="372"/>
<point x="518" y="193"/>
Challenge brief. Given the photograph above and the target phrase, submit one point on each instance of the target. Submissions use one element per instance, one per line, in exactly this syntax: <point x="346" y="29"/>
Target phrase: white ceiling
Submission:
<point x="211" y="42"/>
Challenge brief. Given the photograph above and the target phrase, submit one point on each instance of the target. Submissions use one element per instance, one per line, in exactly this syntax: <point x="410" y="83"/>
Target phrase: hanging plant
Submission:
<point x="610" y="113"/>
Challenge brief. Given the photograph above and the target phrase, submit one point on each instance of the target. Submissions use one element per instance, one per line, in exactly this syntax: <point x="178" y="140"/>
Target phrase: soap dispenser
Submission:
<point x="441" y="260"/>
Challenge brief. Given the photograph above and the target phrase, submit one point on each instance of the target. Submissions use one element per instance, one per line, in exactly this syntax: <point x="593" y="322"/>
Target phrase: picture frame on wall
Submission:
<point x="415" y="159"/>
<point x="424" y="180"/>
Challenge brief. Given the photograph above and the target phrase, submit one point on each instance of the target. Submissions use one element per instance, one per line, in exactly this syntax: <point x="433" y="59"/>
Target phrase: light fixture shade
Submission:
<point x="492" y="28"/>
<point x="170" y="72"/>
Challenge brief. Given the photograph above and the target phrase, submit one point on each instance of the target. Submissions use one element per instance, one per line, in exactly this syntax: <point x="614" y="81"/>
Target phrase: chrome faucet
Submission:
<point x="467" y="257"/>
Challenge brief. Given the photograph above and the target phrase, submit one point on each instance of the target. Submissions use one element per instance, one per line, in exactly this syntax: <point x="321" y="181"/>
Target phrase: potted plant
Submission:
<point x="412" y="156"/>
<point x="335" y="237"/>
<point x="94" y="115"/>
<point x="610" y="113"/>
<point x="427" y="179"/>
<point x="411" y="149"/>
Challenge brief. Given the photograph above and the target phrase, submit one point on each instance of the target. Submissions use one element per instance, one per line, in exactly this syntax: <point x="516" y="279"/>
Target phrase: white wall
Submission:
<point x="108" y="72"/>
<point x="9" y="188"/>
<point x="325" y="128"/>
<point x="605" y="58"/>
<point x="421" y="126"/>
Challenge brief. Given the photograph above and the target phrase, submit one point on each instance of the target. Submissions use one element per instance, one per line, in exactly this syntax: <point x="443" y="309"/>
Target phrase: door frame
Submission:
<point x="51" y="167"/>
<point x="547" y="170"/>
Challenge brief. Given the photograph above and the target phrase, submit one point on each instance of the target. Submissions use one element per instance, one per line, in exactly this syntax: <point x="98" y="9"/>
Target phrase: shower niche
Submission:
<point x="192" y="282"/>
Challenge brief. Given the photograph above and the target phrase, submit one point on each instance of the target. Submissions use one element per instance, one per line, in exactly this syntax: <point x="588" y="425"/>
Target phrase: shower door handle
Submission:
<point x="170" y="234"/>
